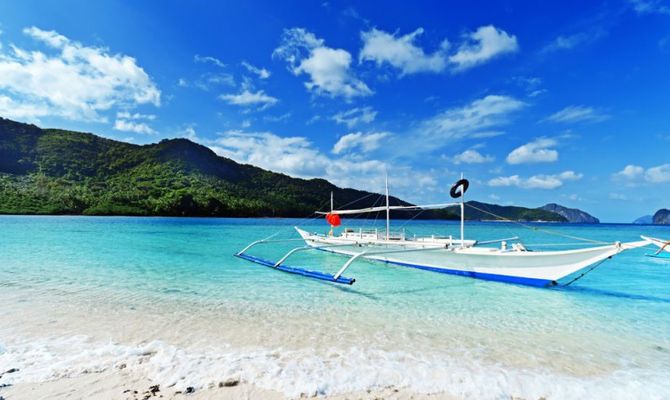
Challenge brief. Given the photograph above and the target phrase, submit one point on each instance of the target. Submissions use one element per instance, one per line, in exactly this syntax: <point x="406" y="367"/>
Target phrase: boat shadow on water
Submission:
<point x="609" y="293"/>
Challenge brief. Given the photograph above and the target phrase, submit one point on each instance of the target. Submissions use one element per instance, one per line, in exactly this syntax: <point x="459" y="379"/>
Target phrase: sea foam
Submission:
<point x="308" y="372"/>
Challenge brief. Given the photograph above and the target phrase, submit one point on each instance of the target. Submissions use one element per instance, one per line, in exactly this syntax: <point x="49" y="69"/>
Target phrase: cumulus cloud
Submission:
<point x="536" y="151"/>
<point x="577" y="114"/>
<point x="247" y="98"/>
<point x="632" y="173"/>
<point x="475" y="120"/>
<point x="328" y="68"/>
<point x="471" y="156"/>
<point x="629" y="172"/>
<point x="297" y="156"/>
<point x="70" y="80"/>
<point x="536" y="181"/>
<point x="292" y="155"/>
<point x="355" y="116"/>
<point x="132" y="126"/>
<point x="482" y="45"/>
<point x="401" y="52"/>
<point x="262" y="73"/>
<point x="134" y="122"/>
<point x="365" y="142"/>
<point x="659" y="174"/>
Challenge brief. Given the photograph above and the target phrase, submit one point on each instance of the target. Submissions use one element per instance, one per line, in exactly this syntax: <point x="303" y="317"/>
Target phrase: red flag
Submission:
<point x="333" y="219"/>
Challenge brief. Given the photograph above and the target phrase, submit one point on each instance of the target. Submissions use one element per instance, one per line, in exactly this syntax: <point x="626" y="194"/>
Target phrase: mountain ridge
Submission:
<point x="573" y="215"/>
<point x="55" y="171"/>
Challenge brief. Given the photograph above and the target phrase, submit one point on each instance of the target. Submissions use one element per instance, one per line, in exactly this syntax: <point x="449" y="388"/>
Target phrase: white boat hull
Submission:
<point x="544" y="268"/>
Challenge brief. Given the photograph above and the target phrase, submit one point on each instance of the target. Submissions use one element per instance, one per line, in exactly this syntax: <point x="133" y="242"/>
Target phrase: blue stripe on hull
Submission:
<point x="471" y="274"/>
<point x="298" y="271"/>
<point x="482" y="275"/>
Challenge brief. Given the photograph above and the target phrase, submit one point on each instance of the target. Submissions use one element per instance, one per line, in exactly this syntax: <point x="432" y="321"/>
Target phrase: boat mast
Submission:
<point x="462" y="214"/>
<point x="331" y="202"/>
<point x="388" y="210"/>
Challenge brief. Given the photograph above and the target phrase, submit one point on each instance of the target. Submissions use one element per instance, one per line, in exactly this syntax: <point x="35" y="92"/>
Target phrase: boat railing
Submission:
<point x="373" y="234"/>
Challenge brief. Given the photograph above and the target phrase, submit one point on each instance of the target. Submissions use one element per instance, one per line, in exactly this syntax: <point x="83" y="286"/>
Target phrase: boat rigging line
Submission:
<point x="535" y="228"/>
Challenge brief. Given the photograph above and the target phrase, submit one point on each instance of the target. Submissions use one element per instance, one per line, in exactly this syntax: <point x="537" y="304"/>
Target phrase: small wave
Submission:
<point x="307" y="372"/>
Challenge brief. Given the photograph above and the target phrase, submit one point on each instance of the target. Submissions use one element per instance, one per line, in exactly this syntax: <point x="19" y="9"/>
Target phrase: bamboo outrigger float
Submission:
<point x="507" y="263"/>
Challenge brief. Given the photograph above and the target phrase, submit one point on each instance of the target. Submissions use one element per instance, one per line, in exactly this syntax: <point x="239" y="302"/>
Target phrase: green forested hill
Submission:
<point x="51" y="171"/>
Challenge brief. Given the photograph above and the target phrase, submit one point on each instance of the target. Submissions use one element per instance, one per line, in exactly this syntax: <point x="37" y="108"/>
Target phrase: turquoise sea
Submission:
<point x="166" y="297"/>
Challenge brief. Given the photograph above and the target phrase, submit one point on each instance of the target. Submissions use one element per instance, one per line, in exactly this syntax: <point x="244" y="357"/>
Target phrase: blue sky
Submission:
<point x="565" y="102"/>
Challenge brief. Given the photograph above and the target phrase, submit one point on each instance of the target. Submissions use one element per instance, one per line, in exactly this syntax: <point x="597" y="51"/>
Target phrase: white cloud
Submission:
<point x="128" y="115"/>
<point x="133" y="126"/>
<point x="134" y="122"/>
<point x="297" y="156"/>
<point x="209" y="59"/>
<point x="71" y="80"/>
<point x="365" y="142"/>
<point x="629" y="172"/>
<point x="659" y="174"/>
<point x="247" y="98"/>
<point x="577" y="114"/>
<point x="189" y="133"/>
<point x="401" y="52"/>
<point x="277" y="118"/>
<point x="472" y="156"/>
<point x="634" y="174"/>
<point x="292" y="155"/>
<point x="571" y="41"/>
<point x="208" y="80"/>
<point x="535" y="181"/>
<point x="536" y="151"/>
<point x="482" y="45"/>
<point x="261" y="72"/>
<point x="475" y="120"/>
<point x="650" y="7"/>
<point x="355" y="116"/>
<point x="328" y="68"/>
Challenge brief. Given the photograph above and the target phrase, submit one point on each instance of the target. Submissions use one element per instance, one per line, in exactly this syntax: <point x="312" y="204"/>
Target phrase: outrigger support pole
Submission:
<point x="303" y="248"/>
<point x="367" y="253"/>
<point x="252" y="244"/>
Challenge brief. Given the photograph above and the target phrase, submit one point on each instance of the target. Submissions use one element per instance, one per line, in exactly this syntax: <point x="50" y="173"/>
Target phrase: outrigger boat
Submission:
<point x="507" y="262"/>
<point x="663" y="247"/>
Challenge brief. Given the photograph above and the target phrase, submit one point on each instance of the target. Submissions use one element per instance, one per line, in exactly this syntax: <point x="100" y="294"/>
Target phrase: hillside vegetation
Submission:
<point x="52" y="171"/>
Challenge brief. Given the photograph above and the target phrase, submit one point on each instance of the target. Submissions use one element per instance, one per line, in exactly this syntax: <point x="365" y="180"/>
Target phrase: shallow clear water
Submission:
<point x="166" y="297"/>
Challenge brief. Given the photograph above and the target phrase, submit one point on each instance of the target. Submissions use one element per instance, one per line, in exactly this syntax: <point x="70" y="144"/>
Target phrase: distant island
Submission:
<point x="644" y="220"/>
<point x="572" y="214"/>
<point x="662" y="217"/>
<point x="53" y="171"/>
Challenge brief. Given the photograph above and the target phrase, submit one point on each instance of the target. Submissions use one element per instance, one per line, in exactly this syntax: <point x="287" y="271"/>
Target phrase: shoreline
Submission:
<point x="186" y="217"/>
<point x="124" y="385"/>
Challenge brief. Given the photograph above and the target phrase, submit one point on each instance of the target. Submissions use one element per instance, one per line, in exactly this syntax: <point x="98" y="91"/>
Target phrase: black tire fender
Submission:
<point x="463" y="185"/>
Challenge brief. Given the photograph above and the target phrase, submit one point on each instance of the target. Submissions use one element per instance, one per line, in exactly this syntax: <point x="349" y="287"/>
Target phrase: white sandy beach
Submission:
<point x="120" y="385"/>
